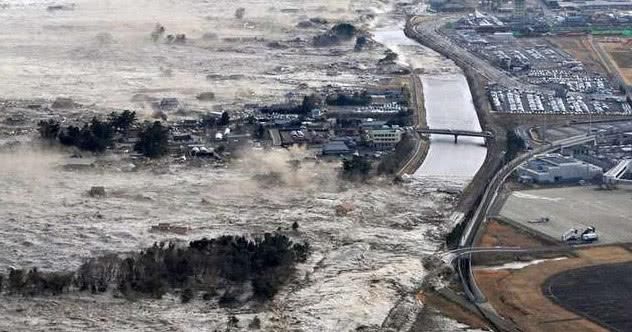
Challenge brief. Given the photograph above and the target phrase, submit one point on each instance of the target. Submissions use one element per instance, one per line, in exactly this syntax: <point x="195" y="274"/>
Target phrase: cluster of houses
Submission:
<point x="329" y="130"/>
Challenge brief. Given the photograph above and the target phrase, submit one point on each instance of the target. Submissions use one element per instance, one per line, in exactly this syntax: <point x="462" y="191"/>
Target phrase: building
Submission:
<point x="555" y="168"/>
<point x="519" y="12"/>
<point x="336" y="148"/>
<point x="384" y="138"/>
<point x="371" y="124"/>
<point x="594" y="5"/>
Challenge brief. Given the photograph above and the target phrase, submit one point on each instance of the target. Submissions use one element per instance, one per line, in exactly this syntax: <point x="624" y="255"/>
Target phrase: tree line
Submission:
<point x="309" y="103"/>
<point x="227" y="268"/>
<point x="98" y="135"/>
<point x="355" y="99"/>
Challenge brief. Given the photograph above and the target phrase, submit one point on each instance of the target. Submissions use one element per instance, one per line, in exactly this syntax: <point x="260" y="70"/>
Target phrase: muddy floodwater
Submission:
<point x="360" y="265"/>
<point x="100" y="52"/>
<point x="365" y="267"/>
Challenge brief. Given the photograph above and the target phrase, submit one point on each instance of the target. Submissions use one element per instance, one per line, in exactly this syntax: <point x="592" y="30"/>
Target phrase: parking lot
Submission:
<point x="557" y="133"/>
<point x="574" y="207"/>
<point x="559" y="83"/>
<point x="519" y="101"/>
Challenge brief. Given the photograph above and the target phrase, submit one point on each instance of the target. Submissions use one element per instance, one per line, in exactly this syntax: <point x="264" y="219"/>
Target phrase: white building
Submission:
<point x="384" y="138"/>
<point x="555" y="168"/>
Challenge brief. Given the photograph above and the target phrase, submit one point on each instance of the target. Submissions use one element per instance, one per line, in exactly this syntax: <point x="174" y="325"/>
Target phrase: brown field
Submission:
<point x="499" y="234"/>
<point x="517" y="294"/>
<point x="620" y="54"/>
<point x="604" y="55"/>
<point x="579" y="47"/>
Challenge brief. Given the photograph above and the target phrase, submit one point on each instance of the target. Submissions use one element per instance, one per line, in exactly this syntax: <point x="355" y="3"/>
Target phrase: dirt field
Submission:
<point x="620" y="54"/>
<point x="579" y="47"/>
<point x="617" y="54"/>
<point x="435" y="301"/>
<point x="500" y="234"/>
<point x="517" y="294"/>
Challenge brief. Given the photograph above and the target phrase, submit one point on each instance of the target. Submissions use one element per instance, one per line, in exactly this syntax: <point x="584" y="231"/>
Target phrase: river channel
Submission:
<point x="448" y="105"/>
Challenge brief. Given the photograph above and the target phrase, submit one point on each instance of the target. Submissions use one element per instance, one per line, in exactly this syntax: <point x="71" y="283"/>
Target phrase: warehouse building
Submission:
<point x="555" y="168"/>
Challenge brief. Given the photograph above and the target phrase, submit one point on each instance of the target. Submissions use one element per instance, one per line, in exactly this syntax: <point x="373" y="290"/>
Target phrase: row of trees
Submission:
<point x="228" y="266"/>
<point x="94" y="136"/>
<point x="355" y="99"/>
<point x="309" y="103"/>
<point x="97" y="135"/>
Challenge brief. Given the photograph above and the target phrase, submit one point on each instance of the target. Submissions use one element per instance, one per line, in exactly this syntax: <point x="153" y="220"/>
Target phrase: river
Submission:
<point x="448" y="104"/>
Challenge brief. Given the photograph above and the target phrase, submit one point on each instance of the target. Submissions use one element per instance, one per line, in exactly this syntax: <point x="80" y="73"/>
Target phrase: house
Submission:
<point x="335" y="148"/>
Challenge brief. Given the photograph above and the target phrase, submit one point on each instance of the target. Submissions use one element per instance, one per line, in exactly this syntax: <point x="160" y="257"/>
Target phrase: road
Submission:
<point x="427" y="30"/>
<point x="276" y="137"/>
<point x="464" y="262"/>
<point x="419" y="120"/>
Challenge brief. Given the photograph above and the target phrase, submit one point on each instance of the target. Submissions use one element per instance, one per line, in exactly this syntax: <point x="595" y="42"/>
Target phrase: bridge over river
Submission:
<point x="456" y="133"/>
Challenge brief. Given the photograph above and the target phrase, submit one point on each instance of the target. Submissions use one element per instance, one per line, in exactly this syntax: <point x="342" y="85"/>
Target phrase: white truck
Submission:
<point x="587" y="235"/>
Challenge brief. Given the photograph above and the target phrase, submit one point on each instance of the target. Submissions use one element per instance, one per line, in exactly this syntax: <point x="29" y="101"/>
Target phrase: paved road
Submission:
<point x="428" y="31"/>
<point x="419" y="120"/>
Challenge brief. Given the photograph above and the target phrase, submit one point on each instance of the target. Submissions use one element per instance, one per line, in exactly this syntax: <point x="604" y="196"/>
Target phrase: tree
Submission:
<point x="406" y="95"/>
<point x="356" y="99"/>
<point x="255" y="324"/>
<point x="309" y="103"/>
<point x="233" y="322"/>
<point x="361" y="42"/>
<point x="98" y="137"/>
<point x="187" y="295"/>
<point x="391" y="163"/>
<point x="240" y="12"/>
<point x="95" y="137"/>
<point x="209" y="121"/>
<point x="357" y="167"/>
<point x="295" y="225"/>
<point x="16" y="281"/>
<point x="70" y="136"/>
<point x="515" y="144"/>
<point x="154" y="140"/>
<point x="259" y="131"/>
<point x="123" y="121"/>
<point x="48" y="129"/>
<point x="224" y="120"/>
